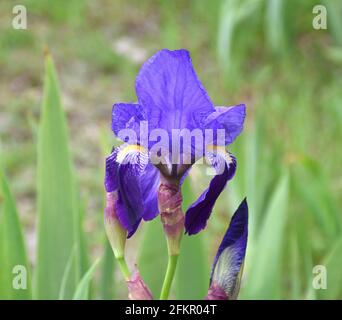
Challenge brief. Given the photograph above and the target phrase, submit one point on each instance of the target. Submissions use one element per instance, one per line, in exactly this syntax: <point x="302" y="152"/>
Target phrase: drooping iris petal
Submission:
<point x="130" y="194"/>
<point x="127" y="116"/>
<point x="170" y="93"/>
<point x="199" y="212"/>
<point x="129" y="172"/>
<point x="150" y="181"/>
<point x="228" y="264"/>
<point x="111" y="171"/>
<point x="230" y="119"/>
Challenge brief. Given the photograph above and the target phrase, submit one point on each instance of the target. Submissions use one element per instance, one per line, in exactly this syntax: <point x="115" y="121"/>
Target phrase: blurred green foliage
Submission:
<point x="263" y="53"/>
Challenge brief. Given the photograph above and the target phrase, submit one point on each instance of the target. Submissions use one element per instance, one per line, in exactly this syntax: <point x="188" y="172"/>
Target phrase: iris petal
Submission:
<point x="150" y="181"/>
<point x="199" y="212"/>
<point x="228" y="263"/>
<point x="130" y="174"/>
<point x="230" y="119"/>
<point x="127" y="116"/>
<point x="170" y="92"/>
<point x="130" y="194"/>
<point x="111" y="171"/>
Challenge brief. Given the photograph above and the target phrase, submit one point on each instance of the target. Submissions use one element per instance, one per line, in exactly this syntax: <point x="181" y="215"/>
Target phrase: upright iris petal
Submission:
<point x="127" y="116"/>
<point x="170" y="93"/>
<point x="229" y="119"/>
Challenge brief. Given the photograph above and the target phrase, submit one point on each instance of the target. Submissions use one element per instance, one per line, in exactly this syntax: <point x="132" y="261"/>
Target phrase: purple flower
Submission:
<point x="228" y="263"/>
<point x="171" y="102"/>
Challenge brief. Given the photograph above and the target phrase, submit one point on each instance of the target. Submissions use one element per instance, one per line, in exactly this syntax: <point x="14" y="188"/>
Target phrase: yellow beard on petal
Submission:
<point x="219" y="150"/>
<point x="134" y="148"/>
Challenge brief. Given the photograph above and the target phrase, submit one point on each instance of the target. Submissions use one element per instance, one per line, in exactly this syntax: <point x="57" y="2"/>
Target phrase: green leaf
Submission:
<point x="107" y="276"/>
<point x="232" y="12"/>
<point x="153" y="256"/>
<point x="66" y="274"/>
<point x="333" y="263"/>
<point x="192" y="274"/>
<point x="264" y="279"/>
<point x="334" y="9"/>
<point x="274" y="29"/>
<point x="295" y="278"/>
<point x="83" y="288"/>
<point x="314" y="191"/>
<point x="12" y="248"/>
<point x="59" y="222"/>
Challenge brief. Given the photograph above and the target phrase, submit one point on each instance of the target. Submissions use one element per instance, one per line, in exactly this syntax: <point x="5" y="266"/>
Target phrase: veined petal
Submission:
<point x="129" y="173"/>
<point x="199" y="212"/>
<point x="111" y="171"/>
<point x="170" y="92"/>
<point x="230" y="119"/>
<point x="150" y="181"/>
<point x="228" y="264"/>
<point x="127" y="116"/>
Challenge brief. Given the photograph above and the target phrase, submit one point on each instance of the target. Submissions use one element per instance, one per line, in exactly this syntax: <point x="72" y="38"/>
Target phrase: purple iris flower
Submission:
<point x="170" y="99"/>
<point x="228" y="263"/>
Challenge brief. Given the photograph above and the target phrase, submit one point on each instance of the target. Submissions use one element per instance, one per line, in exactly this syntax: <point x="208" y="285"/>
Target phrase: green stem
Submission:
<point x="124" y="268"/>
<point x="170" y="272"/>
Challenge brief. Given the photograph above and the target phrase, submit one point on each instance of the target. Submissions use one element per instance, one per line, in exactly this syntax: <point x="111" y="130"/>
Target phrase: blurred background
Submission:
<point x="266" y="54"/>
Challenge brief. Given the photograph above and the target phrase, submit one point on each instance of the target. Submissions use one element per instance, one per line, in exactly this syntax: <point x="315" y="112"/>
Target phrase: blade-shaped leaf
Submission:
<point x="107" y="273"/>
<point x="83" y="288"/>
<point x="192" y="274"/>
<point x="66" y="274"/>
<point x="264" y="280"/>
<point x="14" y="270"/>
<point x="315" y="193"/>
<point x="58" y="213"/>
<point x="153" y="256"/>
<point x="332" y="264"/>
<point x="275" y="26"/>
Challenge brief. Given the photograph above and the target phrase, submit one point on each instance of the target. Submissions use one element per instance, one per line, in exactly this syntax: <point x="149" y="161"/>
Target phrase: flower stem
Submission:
<point x="124" y="268"/>
<point x="170" y="272"/>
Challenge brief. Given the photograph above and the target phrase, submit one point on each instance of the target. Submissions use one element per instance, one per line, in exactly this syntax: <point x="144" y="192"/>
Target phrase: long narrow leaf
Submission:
<point x="58" y="214"/>
<point x="192" y="275"/>
<point x="66" y="274"/>
<point x="332" y="264"/>
<point x="83" y="288"/>
<point x="153" y="256"/>
<point x="107" y="273"/>
<point x="14" y="268"/>
<point x="264" y="279"/>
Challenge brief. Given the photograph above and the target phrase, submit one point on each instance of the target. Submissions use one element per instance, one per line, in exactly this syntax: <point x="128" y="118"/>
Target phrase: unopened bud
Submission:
<point x="228" y="264"/>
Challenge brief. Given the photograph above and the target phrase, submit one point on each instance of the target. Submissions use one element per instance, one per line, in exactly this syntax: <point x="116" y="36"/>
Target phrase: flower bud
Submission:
<point x="228" y="264"/>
